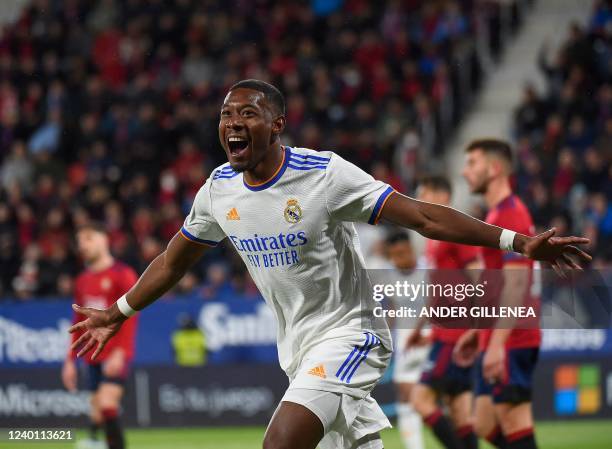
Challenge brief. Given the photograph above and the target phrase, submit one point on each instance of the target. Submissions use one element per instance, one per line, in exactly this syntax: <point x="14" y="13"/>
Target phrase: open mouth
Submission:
<point x="237" y="145"/>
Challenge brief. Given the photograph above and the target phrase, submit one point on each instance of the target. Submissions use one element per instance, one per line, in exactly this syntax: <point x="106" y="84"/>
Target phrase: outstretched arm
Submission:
<point x="445" y="223"/>
<point x="161" y="275"/>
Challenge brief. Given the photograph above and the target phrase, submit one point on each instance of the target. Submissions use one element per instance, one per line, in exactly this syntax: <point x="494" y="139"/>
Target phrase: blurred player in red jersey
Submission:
<point x="507" y="352"/>
<point x="99" y="286"/>
<point x="441" y="377"/>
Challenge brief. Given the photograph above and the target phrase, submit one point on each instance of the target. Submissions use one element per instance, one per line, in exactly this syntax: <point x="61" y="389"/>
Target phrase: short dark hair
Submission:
<point x="93" y="225"/>
<point x="437" y="183"/>
<point x="397" y="237"/>
<point x="272" y="95"/>
<point x="494" y="147"/>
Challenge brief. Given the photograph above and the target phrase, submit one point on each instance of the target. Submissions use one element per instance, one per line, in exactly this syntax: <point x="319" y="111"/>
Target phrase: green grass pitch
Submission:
<point x="550" y="435"/>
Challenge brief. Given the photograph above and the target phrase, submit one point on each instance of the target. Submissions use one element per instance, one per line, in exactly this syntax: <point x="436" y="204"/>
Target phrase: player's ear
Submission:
<point x="278" y="126"/>
<point x="493" y="167"/>
<point x="501" y="167"/>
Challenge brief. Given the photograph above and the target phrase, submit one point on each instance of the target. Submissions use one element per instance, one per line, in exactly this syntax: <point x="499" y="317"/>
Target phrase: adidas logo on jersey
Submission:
<point x="233" y="214"/>
<point x="318" y="371"/>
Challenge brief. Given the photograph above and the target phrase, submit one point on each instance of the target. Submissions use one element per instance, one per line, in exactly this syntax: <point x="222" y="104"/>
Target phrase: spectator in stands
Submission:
<point x="565" y="136"/>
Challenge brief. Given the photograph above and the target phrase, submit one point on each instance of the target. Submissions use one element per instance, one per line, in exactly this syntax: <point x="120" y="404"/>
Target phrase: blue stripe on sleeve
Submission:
<point x="308" y="167"/>
<point x="311" y="156"/>
<point x="226" y="176"/>
<point x="192" y="237"/>
<point x="302" y="162"/>
<point x="379" y="204"/>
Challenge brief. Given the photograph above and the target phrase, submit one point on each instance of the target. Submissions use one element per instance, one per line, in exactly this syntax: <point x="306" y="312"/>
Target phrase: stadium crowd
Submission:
<point x="109" y="110"/>
<point x="564" y="136"/>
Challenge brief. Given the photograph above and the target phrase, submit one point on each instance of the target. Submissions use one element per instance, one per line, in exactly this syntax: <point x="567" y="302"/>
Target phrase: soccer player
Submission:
<point x="409" y="361"/>
<point x="99" y="286"/>
<point x="508" y="355"/>
<point x="289" y="212"/>
<point x="442" y="378"/>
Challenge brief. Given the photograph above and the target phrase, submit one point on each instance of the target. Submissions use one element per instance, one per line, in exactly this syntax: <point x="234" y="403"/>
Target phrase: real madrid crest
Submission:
<point x="293" y="211"/>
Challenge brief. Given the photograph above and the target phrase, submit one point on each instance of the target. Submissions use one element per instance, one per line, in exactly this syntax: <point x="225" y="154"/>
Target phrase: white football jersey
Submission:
<point x="295" y="235"/>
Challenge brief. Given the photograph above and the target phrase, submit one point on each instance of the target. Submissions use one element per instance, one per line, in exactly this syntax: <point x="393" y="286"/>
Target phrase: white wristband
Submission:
<point x="506" y="240"/>
<point x="125" y="308"/>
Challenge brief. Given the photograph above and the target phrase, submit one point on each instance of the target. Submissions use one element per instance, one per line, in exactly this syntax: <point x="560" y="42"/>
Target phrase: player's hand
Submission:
<point x="466" y="348"/>
<point x="493" y="363"/>
<point x="69" y="375"/>
<point x="416" y="339"/>
<point x="561" y="252"/>
<point x="98" y="328"/>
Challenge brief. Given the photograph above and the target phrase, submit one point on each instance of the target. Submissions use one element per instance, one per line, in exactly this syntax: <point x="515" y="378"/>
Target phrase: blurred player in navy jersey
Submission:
<point x="506" y="353"/>
<point x="289" y="213"/>
<point x="441" y="377"/>
<point x="103" y="281"/>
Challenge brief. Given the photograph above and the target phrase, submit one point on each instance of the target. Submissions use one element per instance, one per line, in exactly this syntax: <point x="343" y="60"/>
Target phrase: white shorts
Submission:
<point x="408" y="365"/>
<point x="348" y="422"/>
<point x="334" y="381"/>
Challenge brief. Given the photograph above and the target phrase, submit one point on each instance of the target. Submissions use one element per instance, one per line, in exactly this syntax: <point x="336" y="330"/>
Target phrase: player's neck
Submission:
<point x="498" y="190"/>
<point x="268" y="166"/>
<point x="101" y="263"/>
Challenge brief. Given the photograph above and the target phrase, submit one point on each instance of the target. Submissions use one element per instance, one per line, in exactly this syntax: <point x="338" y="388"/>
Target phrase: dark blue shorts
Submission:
<point x="517" y="383"/>
<point x="95" y="377"/>
<point x="442" y="374"/>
